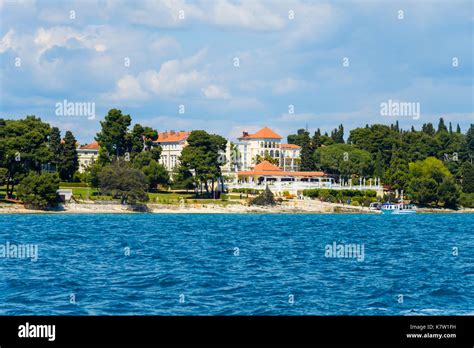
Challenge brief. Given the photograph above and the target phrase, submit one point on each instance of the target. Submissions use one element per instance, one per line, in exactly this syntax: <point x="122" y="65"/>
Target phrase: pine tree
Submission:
<point x="69" y="162"/>
<point x="307" y="151"/>
<point x="442" y="126"/>
<point x="55" y="146"/>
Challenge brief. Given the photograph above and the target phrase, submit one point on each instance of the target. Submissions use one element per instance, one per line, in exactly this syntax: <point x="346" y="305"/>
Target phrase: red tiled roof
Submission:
<point x="172" y="137"/>
<point x="264" y="133"/>
<point x="266" y="168"/>
<point x="289" y="146"/>
<point x="92" y="146"/>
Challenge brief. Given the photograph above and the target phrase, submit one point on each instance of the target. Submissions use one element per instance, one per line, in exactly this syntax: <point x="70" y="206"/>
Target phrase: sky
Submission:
<point x="231" y="66"/>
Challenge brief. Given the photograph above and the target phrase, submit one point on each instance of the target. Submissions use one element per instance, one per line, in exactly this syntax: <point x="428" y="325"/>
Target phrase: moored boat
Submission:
<point x="398" y="208"/>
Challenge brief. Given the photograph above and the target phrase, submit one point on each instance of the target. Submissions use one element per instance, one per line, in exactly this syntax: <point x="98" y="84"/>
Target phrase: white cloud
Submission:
<point x="7" y="41"/>
<point x="175" y="77"/>
<point x="251" y="14"/>
<point x="128" y="88"/>
<point x="284" y="86"/>
<point x="215" y="92"/>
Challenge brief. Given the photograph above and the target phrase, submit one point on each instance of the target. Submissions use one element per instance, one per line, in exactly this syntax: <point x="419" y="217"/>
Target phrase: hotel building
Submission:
<point x="264" y="143"/>
<point x="87" y="154"/>
<point x="172" y="143"/>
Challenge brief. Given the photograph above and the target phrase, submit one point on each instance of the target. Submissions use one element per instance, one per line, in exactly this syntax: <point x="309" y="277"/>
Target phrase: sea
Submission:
<point x="236" y="264"/>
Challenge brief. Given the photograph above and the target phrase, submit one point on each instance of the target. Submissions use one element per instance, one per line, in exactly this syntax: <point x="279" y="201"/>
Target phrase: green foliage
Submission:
<point x="92" y="173"/>
<point x="449" y="193"/>
<point x="68" y="160"/>
<point x="156" y="174"/>
<point x="122" y="181"/>
<point x="246" y="190"/>
<point x="55" y="146"/>
<point x="396" y="174"/>
<point x="3" y="176"/>
<point x="468" y="178"/>
<point x="183" y="178"/>
<point x="141" y="139"/>
<point x="303" y="140"/>
<point x="265" y="198"/>
<point x="423" y="190"/>
<point x="113" y="135"/>
<point x="266" y="157"/>
<point x="202" y="155"/>
<point x="467" y="200"/>
<point x="337" y="135"/>
<point x="330" y="195"/>
<point x="72" y="184"/>
<point x="39" y="190"/>
<point x="343" y="159"/>
<point x="431" y="183"/>
<point x="24" y="147"/>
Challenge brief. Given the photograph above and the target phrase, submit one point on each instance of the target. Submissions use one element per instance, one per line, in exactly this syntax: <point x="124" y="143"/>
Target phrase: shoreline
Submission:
<point x="290" y="207"/>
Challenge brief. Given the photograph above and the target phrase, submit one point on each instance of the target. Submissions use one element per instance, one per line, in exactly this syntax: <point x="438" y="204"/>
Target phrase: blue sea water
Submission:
<point x="229" y="264"/>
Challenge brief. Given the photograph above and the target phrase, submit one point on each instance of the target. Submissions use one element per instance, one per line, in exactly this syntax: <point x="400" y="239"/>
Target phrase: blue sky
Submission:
<point x="282" y="61"/>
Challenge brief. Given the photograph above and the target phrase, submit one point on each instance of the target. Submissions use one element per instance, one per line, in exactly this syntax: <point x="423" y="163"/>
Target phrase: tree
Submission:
<point x="202" y="155"/>
<point x="93" y="172"/>
<point x="121" y="181"/>
<point x="467" y="177"/>
<point x="429" y="182"/>
<point x="69" y="162"/>
<point x="141" y="138"/>
<point x="374" y="139"/>
<point x="379" y="165"/>
<point x="183" y="178"/>
<point x="343" y="159"/>
<point x="441" y="126"/>
<point x="337" y="135"/>
<point x="428" y="128"/>
<point x="470" y="142"/>
<point x="307" y="152"/>
<point x="265" y="198"/>
<point x="449" y="193"/>
<point x="24" y="147"/>
<point x="396" y="174"/>
<point x="55" y="146"/>
<point x="113" y="135"/>
<point x="423" y="190"/>
<point x="155" y="172"/>
<point x="39" y="191"/>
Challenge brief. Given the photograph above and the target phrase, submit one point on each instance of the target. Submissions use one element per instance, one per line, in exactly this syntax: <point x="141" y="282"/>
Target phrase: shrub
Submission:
<point x="39" y="190"/>
<point x="265" y="198"/>
<point x="467" y="200"/>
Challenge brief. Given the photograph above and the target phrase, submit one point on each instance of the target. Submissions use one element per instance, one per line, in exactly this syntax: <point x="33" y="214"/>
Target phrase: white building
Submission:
<point x="242" y="155"/>
<point x="172" y="143"/>
<point x="87" y="154"/>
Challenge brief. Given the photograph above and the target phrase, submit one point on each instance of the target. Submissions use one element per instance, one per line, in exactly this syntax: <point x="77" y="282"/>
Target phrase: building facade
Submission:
<point x="172" y="143"/>
<point x="244" y="154"/>
<point x="87" y="154"/>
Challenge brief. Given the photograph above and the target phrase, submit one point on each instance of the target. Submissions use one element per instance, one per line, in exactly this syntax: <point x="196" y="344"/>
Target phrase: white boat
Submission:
<point x="398" y="208"/>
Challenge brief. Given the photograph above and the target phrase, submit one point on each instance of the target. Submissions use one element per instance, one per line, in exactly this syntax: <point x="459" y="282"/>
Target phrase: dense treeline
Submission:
<point x="432" y="165"/>
<point x="33" y="156"/>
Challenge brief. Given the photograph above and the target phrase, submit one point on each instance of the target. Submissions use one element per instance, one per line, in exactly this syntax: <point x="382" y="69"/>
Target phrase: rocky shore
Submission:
<point x="290" y="207"/>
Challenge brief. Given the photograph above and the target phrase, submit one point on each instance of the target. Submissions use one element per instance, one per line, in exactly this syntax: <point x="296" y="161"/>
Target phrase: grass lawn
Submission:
<point x="90" y="193"/>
